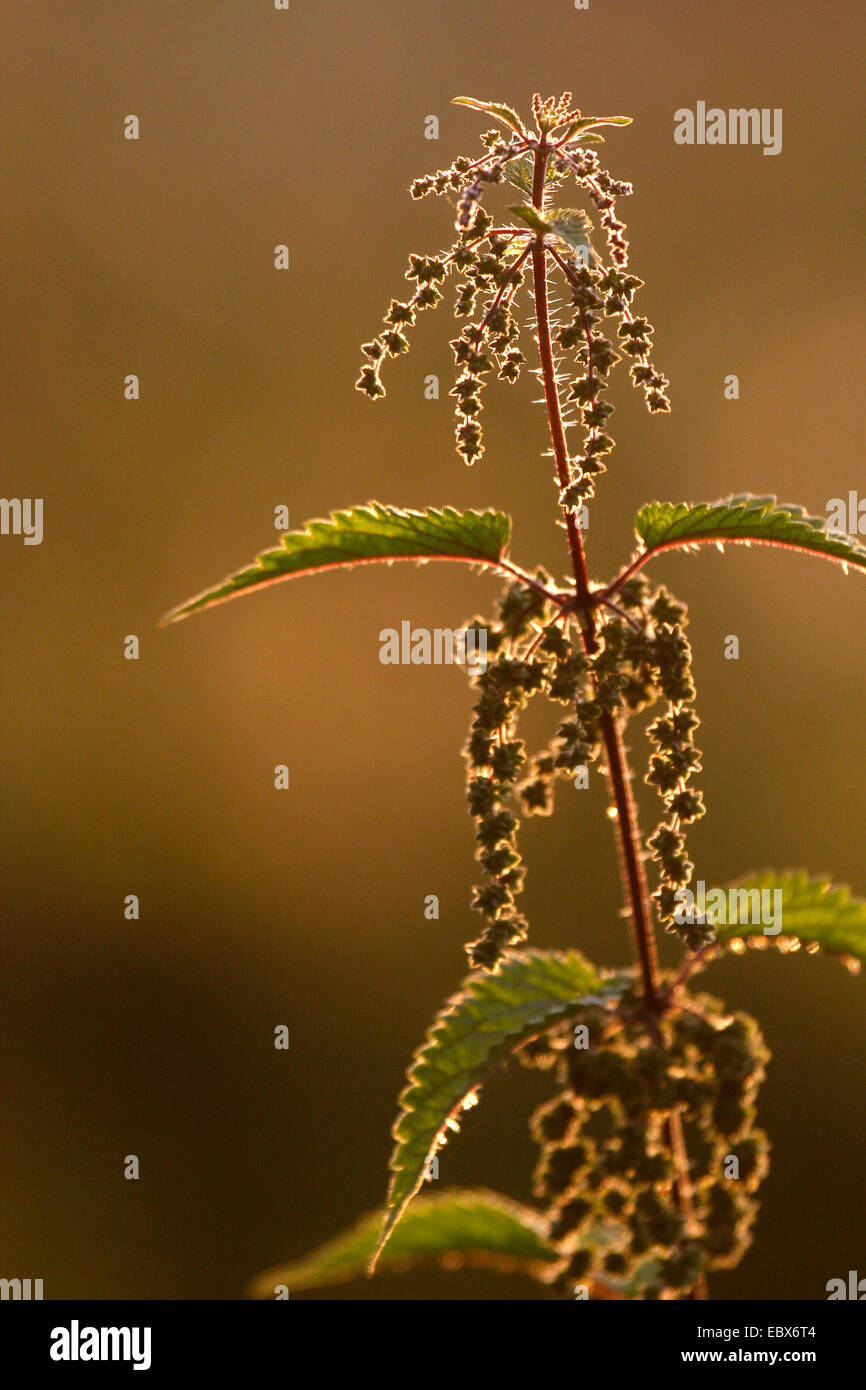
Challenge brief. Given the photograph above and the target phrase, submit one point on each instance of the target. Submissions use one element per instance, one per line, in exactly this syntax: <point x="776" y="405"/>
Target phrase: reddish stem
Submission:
<point x="634" y="876"/>
<point x="629" y="839"/>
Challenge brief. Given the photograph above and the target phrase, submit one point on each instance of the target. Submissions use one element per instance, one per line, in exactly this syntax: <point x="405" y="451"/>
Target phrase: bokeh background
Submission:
<point x="156" y="777"/>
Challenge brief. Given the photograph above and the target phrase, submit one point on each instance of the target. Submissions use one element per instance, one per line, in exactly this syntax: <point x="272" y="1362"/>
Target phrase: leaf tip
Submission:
<point x="172" y="616"/>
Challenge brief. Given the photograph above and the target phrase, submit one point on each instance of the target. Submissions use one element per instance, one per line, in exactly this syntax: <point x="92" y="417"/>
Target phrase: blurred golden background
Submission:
<point x="155" y="777"/>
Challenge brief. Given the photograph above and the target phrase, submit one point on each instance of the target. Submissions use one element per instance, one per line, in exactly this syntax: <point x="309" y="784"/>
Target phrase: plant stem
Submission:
<point x="548" y="372"/>
<point x="683" y="1188"/>
<point x="629" y="839"/>
<point x="634" y="877"/>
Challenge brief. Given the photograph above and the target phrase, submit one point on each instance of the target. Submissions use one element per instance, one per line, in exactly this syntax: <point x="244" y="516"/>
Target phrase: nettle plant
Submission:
<point x="648" y="1155"/>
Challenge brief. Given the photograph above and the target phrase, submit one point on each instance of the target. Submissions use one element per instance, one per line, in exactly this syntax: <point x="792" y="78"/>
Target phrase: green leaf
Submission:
<point x="813" y="911"/>
<point x="457" y="1227"/>
<point x="520" y="171"/>
<point x="571" y="225"/>
<point x="585" y="123"/>
<point x="495" y="109"/>
<point x="530" y="215"/>
<point x="490" y="1016"/>
<point x="752" y="520"/>
<point x="360" y="536"/>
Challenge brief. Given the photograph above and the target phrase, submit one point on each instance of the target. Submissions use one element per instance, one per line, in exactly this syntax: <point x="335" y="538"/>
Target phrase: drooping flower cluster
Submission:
<point x="670" y="772"/>
<point x="490" y="342"/>
<point x="428" y="272"/>
<point x="491" y="260"/>
<point x="646" y="656"/>
<point x="605" y="1170"/>
<point x="604" y="190"/>
<point x="534" y="648"/>
<point x="597" y="293"/>
<point x="496" y="758"/>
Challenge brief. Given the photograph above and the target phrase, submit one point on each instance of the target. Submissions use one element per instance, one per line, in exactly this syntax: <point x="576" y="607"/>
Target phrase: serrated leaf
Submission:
<point x="495" y="109"/>
<point x="519" y="172"/>
<point x="457" y="1227"/>
<point x="487" y="1019"/>
<point x="571" y="225"/>
<point x="751" y="520"/>
<point x="362" y="535"/>
<point x="811" y="910"/>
